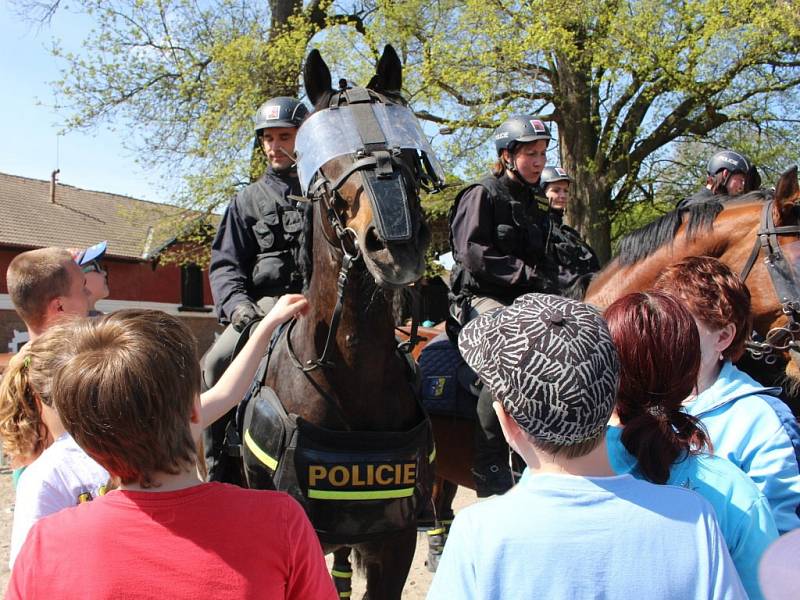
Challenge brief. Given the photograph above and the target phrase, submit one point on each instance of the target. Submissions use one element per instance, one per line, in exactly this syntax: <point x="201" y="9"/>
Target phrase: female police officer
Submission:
<point x="576" y="259"/>
<point x="499" y="232"/>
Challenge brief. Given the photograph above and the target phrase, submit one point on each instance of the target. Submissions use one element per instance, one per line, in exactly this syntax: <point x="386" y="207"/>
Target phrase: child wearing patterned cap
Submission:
<point x="572" y="528"/>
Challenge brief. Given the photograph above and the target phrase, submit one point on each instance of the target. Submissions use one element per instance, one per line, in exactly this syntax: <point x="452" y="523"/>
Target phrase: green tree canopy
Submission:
<point x="187" y="77"/>
<point x="635" y="88"/>
<point x="622" y="80"/>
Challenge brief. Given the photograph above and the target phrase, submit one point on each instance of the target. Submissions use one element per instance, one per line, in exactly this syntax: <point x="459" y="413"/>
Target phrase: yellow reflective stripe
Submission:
<point x="342" y="574"/>
<point x="437" y="531"/>
<point x="344" y="594"/>
<point x="432" y="455"/>
<point x="373" y="495"/>
<point x="259" y="453"/>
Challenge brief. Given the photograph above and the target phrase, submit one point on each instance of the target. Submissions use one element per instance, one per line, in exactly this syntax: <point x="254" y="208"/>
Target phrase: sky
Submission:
<point x="29" y="144"/>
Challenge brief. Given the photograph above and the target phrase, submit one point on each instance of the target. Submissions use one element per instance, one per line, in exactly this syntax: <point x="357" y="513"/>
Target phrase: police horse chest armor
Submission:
<point x="334" y="416"/>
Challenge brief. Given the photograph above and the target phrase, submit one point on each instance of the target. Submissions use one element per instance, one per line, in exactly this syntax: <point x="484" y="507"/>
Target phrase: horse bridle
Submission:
<point x="786" y="337"/>
<point x="374" y="155"/>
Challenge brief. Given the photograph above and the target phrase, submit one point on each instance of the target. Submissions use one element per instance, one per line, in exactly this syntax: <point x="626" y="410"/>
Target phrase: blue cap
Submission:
<point x="92" y="253"/>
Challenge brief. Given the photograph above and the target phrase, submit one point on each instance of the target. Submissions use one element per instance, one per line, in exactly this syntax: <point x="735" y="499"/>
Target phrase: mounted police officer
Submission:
<point x="576" y="259"/>
<point x="728" y="173"/>
<point x="499" y="229"/>
<point x="254" y="256"/>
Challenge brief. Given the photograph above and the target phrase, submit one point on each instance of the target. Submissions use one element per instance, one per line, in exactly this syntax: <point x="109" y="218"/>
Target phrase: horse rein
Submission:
<point x="786" y="337"/>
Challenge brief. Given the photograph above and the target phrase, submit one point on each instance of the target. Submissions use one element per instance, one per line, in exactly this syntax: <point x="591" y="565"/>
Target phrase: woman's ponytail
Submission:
<point x="22" y="430"/>
<point x="659" y="351"/>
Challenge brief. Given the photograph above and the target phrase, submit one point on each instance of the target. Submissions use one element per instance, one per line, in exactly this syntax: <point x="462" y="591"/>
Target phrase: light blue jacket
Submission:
<point x="742" y="511"/>
<point x="751" y="427"/>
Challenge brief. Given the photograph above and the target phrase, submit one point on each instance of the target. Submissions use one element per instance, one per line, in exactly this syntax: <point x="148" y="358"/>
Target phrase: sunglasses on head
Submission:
<point x="93" y="267"/>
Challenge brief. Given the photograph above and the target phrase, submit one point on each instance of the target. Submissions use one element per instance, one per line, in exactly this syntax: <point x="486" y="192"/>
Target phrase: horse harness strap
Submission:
<point x="413" y="336"/>
<point x="341" y="283"/>
<point x="787" y="337"/>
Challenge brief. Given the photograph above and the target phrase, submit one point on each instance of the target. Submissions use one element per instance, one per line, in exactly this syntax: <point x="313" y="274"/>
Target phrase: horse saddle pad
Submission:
<point x="354" y="485"/>
<point x="448" y="384"/>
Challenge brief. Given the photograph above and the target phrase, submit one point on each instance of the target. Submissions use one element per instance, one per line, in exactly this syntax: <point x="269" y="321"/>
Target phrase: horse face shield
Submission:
<point x="379" y="136"/>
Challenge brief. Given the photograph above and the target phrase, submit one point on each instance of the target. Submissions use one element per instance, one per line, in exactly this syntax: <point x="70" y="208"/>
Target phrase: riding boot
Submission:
<point x="491" y="470"/>
<point x="216" y="451"/>
<point x="219" y="465"/>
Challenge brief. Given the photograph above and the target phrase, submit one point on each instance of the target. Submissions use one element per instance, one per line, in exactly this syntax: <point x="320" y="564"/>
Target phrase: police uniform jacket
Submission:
<point x="257" y="247"/>
<point x="574" y="256"/>
<point x="498" y="235"/>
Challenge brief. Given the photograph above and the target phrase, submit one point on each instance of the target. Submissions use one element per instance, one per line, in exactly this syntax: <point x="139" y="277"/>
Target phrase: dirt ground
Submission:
<point x="419" y="579"/>
<point x="6" y="515"/>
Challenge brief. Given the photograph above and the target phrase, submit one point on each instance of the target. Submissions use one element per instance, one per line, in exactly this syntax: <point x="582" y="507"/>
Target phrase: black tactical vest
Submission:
<point x="574" y="256"/>
<point x="277" y="232"/>
<point x="521" y="229"/>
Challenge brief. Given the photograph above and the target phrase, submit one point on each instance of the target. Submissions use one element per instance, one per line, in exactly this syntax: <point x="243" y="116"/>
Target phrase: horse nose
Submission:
<point x="372" y="242"/>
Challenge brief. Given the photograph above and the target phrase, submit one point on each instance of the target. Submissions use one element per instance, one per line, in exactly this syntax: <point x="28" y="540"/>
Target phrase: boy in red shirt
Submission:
<point x="129" y="393"/>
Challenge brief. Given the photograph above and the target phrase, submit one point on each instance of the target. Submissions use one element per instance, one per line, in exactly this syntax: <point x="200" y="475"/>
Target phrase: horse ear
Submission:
<point x="316" y="77"/>
<point x="389" y="74"/>
<point x="787" y="192"/>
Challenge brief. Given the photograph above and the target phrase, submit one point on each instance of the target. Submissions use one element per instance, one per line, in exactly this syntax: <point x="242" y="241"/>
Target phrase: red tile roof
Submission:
<point x="79" y="218"/>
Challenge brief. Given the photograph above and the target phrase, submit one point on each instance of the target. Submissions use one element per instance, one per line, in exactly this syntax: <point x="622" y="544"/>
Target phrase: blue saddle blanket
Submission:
<point x="448" y="384"/>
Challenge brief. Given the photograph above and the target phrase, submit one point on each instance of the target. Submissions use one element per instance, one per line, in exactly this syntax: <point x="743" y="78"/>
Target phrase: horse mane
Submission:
<point x="643" y="242"/>
<point x="700" y="217"/>
<point x="305" y="256"/>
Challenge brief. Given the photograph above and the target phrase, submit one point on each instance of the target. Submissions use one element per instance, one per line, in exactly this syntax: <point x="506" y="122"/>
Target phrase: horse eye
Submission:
<point x="339" y="203"/>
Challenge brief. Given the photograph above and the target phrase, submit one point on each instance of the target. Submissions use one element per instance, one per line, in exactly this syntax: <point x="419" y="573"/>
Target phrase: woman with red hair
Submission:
<point x="652" y="438"/>
<point x="747" y="423"/>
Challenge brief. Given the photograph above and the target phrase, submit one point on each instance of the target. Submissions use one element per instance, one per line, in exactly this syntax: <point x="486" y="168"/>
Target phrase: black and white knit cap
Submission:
<point x="550" y="361"/>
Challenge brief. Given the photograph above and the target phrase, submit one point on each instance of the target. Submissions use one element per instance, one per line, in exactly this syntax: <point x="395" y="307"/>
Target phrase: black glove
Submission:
<point x="244" y="314"/>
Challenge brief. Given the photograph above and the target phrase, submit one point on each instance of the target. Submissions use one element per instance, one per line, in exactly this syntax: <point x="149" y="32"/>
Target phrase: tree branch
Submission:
<point x="498" y="97"/>
<point x="319" y="17"/>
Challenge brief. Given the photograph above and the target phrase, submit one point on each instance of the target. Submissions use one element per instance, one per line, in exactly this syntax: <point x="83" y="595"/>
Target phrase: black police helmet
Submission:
<point x="551" y="175"/>
<point x="519" y="130"/>
<point x="280" y="112"/>
<point x="728" y="159"/>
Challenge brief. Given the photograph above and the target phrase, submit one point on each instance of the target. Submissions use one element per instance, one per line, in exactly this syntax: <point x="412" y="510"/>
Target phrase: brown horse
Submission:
<point x="337" y="371"/>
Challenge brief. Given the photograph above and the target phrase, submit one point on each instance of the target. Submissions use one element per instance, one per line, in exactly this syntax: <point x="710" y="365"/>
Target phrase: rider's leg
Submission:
<point x="214" y="363"/>
<point x="491" y="471"/>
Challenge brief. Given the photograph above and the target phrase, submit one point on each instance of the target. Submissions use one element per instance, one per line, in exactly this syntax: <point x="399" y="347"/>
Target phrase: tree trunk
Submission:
<point x="281" y="11"/>
<point x="579" y="134"/>
<point x="275" y="83"/>
<point x="588" y="207"/>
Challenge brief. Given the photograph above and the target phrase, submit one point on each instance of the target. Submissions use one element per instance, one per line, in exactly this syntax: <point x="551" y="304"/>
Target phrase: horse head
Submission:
<point x="772" y="272"/>
<point x="363" y="157"/>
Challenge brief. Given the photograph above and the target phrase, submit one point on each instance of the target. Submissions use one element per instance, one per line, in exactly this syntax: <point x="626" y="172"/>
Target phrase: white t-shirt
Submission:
<point x="61" y="477"/>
